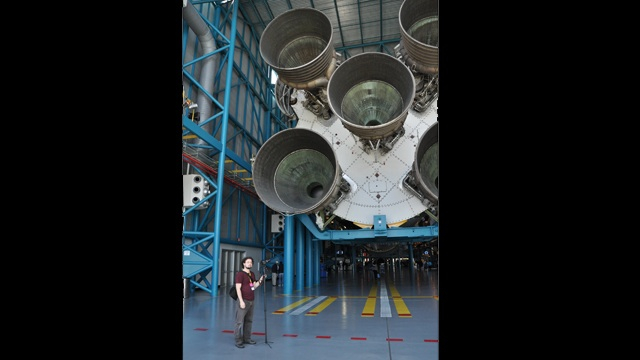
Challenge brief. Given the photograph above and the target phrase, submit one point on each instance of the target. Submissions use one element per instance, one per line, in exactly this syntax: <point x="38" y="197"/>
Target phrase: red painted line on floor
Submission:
<point x="367" y="314"/>
<point x="290" y="335"/>
<point x="392" y="339"/>
<point x="323" y="337"/>
<point x="408" y="315"/>
<point x="278" y="312"/>
<point x="228" y="331"/>
<point x="257" y="333"/>
<point x="371" y="297"/>
<point x="313" y="312"/>
<point x="427" y="340"/>
<point x="200" y="329"/>
<point x="358" y="338"/>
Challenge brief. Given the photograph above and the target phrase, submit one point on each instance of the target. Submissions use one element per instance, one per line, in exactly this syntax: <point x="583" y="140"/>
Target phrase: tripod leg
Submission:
<point x="264" y="305"/>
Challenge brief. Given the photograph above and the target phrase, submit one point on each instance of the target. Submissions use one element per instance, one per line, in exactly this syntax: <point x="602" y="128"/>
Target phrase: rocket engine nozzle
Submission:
<point x="298" y="45"/>
<point x="425" y="164"/>
<point x="371" y="94"/>
<point x="296" y="171"/>
<point x="419" y="34"/>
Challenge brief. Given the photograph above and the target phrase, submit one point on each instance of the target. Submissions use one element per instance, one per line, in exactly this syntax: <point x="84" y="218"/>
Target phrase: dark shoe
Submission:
<point x="240" y="345"/>
<point x="252" y="342"/>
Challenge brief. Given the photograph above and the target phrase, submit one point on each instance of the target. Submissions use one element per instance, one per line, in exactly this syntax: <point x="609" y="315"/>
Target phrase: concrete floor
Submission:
<point x="348" y="315"/>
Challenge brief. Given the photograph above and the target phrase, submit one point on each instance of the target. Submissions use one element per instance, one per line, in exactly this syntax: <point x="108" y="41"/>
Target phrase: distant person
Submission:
<point x="246" y="283"/>
<point x="277" y="273"/>
<point x="374" y="268"/>
<point x="435" y="259"/>
<point x="281" y="275"/>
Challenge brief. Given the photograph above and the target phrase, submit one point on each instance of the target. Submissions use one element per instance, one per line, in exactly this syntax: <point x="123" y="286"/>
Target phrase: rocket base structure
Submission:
<point x="376" y="178"/>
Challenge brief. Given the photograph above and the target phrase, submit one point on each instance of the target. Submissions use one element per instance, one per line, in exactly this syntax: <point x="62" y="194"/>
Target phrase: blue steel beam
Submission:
<point x="420" y="233"/>
<point x="375" y="43"/>
<point x="335" y="3"/>
<point x="209" y="139"/>
<point x="223" y="150"/>
<point x="360" y="23"/>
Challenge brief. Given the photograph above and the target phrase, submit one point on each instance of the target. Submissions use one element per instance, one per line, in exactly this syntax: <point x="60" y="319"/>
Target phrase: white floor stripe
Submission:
<point x="308" y="305"/>
<point x="385" y="307"/>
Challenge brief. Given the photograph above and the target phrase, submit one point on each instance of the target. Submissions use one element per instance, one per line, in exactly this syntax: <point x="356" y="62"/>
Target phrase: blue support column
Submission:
<point x="299" y="256"/>
<point x="289" y="227"/>
<point x="316" y="261"/>
<point x="411" y="262"/>
<point x="308" y="247"/>
<point x="223" y="140"/>
<point x="353" y="258"/>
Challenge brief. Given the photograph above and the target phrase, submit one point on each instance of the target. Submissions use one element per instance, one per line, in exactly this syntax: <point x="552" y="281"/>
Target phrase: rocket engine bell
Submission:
<point x="425" y="165"/>
<point x="298" y="45"/>
<point x="296" y="171"/>
<point x="419" y="35"/>
<point x="371" y="94"/>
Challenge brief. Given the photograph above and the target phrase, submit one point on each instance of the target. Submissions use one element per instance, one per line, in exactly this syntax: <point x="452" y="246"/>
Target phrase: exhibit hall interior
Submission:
<point x="310" y="144"/>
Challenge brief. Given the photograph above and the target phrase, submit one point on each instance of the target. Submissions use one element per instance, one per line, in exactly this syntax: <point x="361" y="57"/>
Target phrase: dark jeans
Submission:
<point x="244" y="321"/>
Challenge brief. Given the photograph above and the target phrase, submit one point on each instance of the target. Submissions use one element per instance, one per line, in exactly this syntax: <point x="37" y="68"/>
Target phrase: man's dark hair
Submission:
<point x="245" y="259"/>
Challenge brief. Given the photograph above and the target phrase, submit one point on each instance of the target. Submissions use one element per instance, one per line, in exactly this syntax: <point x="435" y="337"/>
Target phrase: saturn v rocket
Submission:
<point x="365" y="140"/>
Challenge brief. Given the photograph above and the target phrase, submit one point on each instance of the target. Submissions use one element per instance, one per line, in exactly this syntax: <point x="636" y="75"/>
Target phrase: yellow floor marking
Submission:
<point x="370" y="305"/>
<point x="323" y="305"/>
<point x="401" y="307"/>
<point x="289" y="307"/>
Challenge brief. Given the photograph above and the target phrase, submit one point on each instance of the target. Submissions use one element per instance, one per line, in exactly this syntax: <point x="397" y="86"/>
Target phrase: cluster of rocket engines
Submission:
<point x="369" y="96"/>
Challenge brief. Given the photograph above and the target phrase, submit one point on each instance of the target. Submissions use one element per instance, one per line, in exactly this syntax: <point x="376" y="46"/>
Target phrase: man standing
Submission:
<point x="277" y="272"/>
<point x="374" y="268"/>
<point x="246" y="283"/>
<point x="280" y="274"/>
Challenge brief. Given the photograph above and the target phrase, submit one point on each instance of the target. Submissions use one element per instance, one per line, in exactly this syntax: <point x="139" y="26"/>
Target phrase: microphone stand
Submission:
<point x="264" y="301"/>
